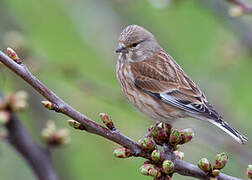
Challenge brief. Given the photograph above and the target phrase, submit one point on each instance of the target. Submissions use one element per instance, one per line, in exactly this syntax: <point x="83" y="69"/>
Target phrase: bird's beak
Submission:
<point x="121" y="49"/>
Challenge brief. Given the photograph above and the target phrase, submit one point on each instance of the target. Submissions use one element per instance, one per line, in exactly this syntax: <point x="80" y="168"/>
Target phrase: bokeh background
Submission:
<point x="69" y="45"/>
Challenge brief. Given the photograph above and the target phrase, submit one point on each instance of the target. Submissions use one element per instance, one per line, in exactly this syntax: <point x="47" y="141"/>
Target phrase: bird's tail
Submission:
<point x="229" y="130"/>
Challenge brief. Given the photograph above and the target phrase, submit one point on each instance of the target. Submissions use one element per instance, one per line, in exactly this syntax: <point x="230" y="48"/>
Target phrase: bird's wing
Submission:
<point x="162" y="77"/>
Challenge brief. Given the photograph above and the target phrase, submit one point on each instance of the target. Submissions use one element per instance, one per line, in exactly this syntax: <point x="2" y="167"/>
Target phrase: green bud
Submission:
<point x="107" y="121"/>
<point x="204" y="165"/>
<point x="148" y="144"/>
<point x="179" y="154"/>
<point x="13" y="55"/>
<point x="186" y="135"/>
<point x="216" y="172"/>
<point x="159" y="133"/>
<point x="175" y="137"/>
<point x="49" y="105"/>
<point x="122" y="152"/>
<point x="249" y="171"/>
<point x="167" y="128"/>
<point x="144" y="169"/>
<point x="75" y="124"/>
<point x="154" y="172"/>
<point x="168" y="166"/>
<point x="220" y="161"/>
<point x="156" y="155"/>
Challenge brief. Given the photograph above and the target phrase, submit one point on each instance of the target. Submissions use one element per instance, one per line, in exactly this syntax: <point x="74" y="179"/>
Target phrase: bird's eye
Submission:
<point x="134" y="44"/>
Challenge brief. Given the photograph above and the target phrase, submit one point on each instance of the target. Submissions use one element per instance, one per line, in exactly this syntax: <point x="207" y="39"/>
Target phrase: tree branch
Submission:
<point x="90" y="126"/>
<point x="22" y="142"/>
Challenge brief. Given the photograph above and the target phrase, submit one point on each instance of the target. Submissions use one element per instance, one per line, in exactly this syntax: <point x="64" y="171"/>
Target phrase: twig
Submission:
<point x="22" y="142"/>
<point x="21" y="70"/>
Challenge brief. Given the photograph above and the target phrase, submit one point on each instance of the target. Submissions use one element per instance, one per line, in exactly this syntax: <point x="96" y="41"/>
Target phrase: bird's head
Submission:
<point x="136" y="44"/>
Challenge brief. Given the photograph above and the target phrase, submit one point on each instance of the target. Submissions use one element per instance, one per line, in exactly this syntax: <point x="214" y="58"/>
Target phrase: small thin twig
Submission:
<point x="181" y="166"/>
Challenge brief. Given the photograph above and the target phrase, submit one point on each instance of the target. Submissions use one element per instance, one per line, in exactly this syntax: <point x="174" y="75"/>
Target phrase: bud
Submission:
<point x="204" y="165"/>
<point x="148" y="144"/>
<point x="107" y="121"/>
<point x="216" y="172"/>
<point x="49" y="105"/>
<point x="144" y="169"/>
<point x="186" y="135"/>
<point x="154" y="172"/>
<point x="167" y="128"/>
<point x="175" y="137"/>
<point x="220" y="161"/>
<point x="122" y="152"/>
<point x="236" y="11"/>
<point x="4" y="117"/>
<point x="17" y="101"/>
<point x="13" y="55"/>
<point x="75" y="124"/>
<point x="159" y="134"/>
<point x="156" y="155"/>
<point x="168" y="166"/>
<point x="179" y="154"/>
<point x="54" y="137"/>
<point x="249" y="171"/>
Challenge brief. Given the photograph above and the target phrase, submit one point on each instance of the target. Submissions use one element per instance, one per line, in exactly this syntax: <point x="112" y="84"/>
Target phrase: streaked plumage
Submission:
<point x="156" y="85"/>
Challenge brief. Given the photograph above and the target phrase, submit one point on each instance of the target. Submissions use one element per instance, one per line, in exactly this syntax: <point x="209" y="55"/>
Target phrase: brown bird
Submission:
<point x="156" y="85"/>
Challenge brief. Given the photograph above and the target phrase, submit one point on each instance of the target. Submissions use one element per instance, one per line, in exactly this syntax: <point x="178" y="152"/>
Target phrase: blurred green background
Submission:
<point x="69" y="45"/>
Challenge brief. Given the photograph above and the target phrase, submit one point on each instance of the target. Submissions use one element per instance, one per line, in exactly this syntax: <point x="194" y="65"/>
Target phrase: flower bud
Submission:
<point x="175" y="137"/>
<point x="156" y="155"/>
<point x="49" y="105"/>
<point x="54" y="137"/>
<point x="186" y="135"/>
<point x="216" y="172"/>
<point x="159" y="134"/>
<point x="4" y="117"/>
<point x="204" y="165"/>
<point x="168" y="166"/>
<point x="122" y="152"/>
<point x="107" y="121"/>
<point x="13" y="55"/>
<point x="144" y="169"/>
<point x="154" y="172"/>
<point x="17" y="101"/>
<point x="75" y="124"/>
<point x="179" y="154"/>
<point x="220" y="161"/>
<point x="167" y="128"/>
<point x="148" y="144"/>
<point x="249" y="171"/>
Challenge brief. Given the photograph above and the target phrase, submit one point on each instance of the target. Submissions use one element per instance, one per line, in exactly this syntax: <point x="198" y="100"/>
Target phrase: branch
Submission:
<point x="22" y="142"/>
<point x="90" y="126"/>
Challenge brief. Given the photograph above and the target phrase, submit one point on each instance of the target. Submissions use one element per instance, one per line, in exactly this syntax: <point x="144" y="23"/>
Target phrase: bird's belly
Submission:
<point x="151" y="106"/>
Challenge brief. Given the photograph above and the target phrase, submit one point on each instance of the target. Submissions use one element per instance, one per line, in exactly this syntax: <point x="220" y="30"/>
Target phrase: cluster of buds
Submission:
<point x="220" y="162"/>
<point x="150" y="170"/>
<point x="122" y="152"/>
<point x="249" y="171"/>
<point x="165" y="133"/>
<point x="17" y="101"/>
<point x="55" y="137"/>
<point x="107" y="121"/>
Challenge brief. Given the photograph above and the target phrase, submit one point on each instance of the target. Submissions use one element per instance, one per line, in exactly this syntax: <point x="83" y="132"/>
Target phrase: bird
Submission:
<point x="157" y="86"/>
